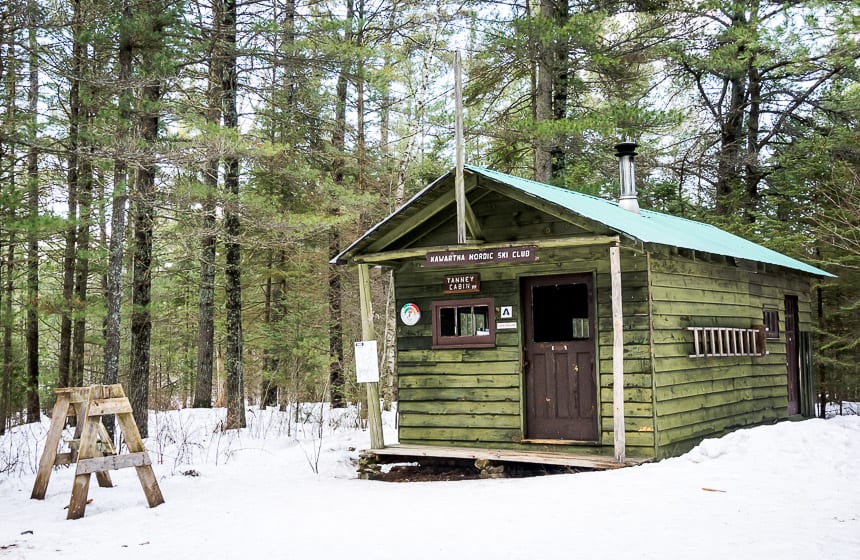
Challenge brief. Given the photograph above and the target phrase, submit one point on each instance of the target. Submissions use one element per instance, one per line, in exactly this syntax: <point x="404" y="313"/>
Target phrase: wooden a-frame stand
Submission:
<point x="92" y="449"/>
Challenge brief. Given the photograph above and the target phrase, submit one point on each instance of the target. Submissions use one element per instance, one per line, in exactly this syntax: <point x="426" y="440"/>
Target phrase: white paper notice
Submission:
<point x="366" y="364"/>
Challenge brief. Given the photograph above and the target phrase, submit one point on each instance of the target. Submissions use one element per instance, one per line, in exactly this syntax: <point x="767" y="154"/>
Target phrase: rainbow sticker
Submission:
<point x="410" y="314"/>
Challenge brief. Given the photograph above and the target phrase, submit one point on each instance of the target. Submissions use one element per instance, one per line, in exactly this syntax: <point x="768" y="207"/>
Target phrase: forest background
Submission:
<point x="176" y="174"/>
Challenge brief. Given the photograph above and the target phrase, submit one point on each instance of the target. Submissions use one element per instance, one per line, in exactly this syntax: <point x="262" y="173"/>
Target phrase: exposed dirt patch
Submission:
<point x="454" y="470"/>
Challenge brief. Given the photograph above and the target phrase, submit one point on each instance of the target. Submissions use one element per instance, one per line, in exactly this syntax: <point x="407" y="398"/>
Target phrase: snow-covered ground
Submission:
<point x="280" y="490"/>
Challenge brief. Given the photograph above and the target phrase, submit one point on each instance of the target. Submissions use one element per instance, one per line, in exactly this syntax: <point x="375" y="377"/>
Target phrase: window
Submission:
<point x="771" y="322"/>
<point x="563" y="312"/>
<point x="467" y="323"/>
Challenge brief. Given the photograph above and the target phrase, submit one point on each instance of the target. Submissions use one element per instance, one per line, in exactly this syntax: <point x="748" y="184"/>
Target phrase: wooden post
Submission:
<point x="617" y="355"/>
<point x="459" y="182"/>
<point x="374" y="413"/>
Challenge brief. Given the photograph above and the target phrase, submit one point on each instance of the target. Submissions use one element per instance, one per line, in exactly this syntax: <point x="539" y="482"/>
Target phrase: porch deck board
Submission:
<point x="394" y="453"/>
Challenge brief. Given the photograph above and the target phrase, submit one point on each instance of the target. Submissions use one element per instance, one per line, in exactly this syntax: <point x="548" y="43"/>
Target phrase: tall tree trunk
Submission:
<point x="64" y="364"/>
<point x="550" y="96"/>
<point x="561" y="52"/>
<point x="144" y="219"/>
<point x="82" y="268"/>
<point x="822" y="368"/>
<point x="7" y="75"/>
<point x="208" y="235"/>
<point x="337" y="382"/>
<point x="335" y="337"/>
<point x="543" y="97"/>
<point x="275" y="312"/>
<point x="113" y="316"/>
<point x="232" y="275"/>
<point x="364" y="220"/>
<point x="206" y="299"/>
<point x="731" y="131"/>
<point x="32" y="336"/>
<point x="5" y="372"/>
<point x="752" y="169"/>
<point x="141" y="321"/>
<point x="8" y="322"/>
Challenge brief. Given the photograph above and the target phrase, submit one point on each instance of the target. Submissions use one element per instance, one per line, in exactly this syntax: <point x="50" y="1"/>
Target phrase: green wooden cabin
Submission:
<point x="507" y="341"/>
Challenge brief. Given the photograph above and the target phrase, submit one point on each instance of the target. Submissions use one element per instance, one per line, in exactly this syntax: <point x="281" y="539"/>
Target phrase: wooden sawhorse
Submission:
<point x="92" y="449"/>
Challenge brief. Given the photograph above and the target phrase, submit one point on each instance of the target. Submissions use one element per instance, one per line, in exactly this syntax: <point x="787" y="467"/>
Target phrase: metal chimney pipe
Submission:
<point x="627" y="171"/>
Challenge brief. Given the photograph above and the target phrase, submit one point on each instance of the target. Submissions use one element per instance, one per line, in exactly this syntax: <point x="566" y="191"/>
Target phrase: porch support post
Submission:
<point x="617" y="355"/>
<point x="374" y="413"/>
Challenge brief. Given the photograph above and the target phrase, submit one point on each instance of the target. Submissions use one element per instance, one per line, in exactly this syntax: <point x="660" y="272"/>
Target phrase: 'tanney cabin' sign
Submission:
<point x="462" y="284"/>
<point x="482" y="256"/>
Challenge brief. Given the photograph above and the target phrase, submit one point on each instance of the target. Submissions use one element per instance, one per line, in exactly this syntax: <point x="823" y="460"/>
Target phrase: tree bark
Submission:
<point x="208" y="235"/>
<point x="32" y="336"/>
<point x="141" y="320"/>
<point x="274" y="315"/>
<point x="82" y="267"/>
<point x="560" y="54"/>
<point x="335" y="324"/>
<point x="729" y="163"/>
<point x="8" y="322"/>
<point x="6" y="315"/>
<point x="752" y="169"/>
<point x="144" y="219"/>
<point x="543" y="96"/>
<point x="113" y="296"/>
<point x="822" y="368"/>
<point x="64" y="364"/>
<point x="335" y="347"/>
<point x="206" y="298"/>
<point x="233" y="281"/>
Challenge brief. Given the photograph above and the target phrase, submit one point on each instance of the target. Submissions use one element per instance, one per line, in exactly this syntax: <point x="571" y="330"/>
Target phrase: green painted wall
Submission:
<point x="474" y="397"/>
<point x="702" y="397"/>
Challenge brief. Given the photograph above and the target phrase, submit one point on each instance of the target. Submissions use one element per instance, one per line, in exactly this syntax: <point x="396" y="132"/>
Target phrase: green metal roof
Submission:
<point x="646" y="227"/>
<point x="651" y="227"/>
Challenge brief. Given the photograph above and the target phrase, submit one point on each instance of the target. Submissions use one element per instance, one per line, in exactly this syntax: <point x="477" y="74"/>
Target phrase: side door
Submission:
<point x="792" y="355"/>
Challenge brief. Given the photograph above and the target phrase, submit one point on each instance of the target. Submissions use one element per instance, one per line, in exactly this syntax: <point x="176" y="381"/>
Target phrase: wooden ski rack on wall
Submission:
<point x="92" y="450"/>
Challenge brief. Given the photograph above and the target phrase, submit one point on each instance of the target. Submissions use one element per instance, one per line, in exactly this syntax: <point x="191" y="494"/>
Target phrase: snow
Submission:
<point x="282" y="489"/>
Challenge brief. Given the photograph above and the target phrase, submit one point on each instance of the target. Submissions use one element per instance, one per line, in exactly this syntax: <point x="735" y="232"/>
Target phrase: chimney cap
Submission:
<point x="626" y="149"/>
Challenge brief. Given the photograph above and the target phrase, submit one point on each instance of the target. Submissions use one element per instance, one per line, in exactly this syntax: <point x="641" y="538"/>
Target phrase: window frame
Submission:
<point x="770" y="318"/>
<point x="474" y="341"/>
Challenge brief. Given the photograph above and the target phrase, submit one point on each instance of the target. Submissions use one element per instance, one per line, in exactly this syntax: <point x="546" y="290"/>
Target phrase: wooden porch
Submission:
<point x="484" y="459"/>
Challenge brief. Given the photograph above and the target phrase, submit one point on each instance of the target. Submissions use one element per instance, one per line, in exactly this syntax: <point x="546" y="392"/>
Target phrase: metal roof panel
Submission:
<point x="649" y="226"/>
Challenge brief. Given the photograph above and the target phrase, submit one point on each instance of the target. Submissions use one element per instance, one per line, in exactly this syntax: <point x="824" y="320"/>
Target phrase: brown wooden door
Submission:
<point x="561" y="393"/>
<point x="792" y="357"/>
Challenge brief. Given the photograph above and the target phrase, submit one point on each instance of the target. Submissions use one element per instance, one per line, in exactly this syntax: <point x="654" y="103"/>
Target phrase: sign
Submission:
<point x="410" y="314"/>
<point x="462" y="284"/>
<point x="366" y="363"/>
<point x="506" y="326"/>
<point x="507" y="312"/>
<point x="482" y="256"/>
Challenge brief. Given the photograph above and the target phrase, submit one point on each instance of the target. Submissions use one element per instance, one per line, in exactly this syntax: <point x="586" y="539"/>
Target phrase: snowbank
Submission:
<point x="286" y="489"/>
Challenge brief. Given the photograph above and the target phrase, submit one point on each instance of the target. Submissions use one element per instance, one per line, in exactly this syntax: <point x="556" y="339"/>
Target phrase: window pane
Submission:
<point x="560" y="312"/>
<point x="466" y="322"/>
<point x="771" y="322"/>
<point x="580" y="328"/>
<point x="482" y="320"/>
<point x="447" y="322"/>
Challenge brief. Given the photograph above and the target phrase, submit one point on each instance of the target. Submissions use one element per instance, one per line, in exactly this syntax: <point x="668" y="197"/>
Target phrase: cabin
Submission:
<point x="567" y="325"/>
